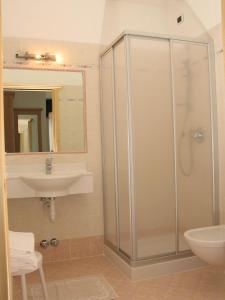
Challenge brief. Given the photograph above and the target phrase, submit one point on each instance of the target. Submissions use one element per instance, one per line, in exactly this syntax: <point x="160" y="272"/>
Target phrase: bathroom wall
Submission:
<point x="216" y="34"/>
<point x="74" y="21"/>
<point x="79" y="219"/>
<point x="78" y="33"/>
<point x="191" y="27"/>
<point x="144" y="16"/>
<point x="155" y="16"/>
<point x="74" y="31"/>
<point x="207" y="11"/>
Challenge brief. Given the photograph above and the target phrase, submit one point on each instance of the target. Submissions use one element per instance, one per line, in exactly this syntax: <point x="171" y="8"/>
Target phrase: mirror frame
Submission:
<point x="54" y="90"/>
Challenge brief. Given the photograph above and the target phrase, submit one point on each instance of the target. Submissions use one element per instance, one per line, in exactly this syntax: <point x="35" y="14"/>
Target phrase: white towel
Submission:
<point x="22" y="253"/>
<point x="20" y="264"/>
<point x="21" y="241"/>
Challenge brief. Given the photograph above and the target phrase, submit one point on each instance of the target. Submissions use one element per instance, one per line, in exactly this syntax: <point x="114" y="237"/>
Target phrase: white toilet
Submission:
<point x="208" y="244"/>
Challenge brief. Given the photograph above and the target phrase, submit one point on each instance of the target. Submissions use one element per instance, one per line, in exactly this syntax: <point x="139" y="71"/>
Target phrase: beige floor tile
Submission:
<point x="202" y="284"/>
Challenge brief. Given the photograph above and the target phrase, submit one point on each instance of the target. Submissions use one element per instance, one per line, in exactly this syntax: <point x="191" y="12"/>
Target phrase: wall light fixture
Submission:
<point x="37" y="57"/>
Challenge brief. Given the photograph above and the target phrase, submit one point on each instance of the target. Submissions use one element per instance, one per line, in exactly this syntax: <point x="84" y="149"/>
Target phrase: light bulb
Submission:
<point x="38" y="56"/>
<point x="59" y="58"/>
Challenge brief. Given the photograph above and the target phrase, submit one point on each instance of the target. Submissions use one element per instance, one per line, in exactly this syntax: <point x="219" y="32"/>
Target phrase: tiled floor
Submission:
<point x="202" y="284"/>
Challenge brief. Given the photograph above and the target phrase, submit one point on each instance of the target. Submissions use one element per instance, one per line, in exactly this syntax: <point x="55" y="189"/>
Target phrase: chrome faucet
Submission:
<point x="48" y="165"/>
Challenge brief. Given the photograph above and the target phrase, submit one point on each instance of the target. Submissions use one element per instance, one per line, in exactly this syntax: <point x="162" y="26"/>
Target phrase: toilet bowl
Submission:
<point x="208" y="244"/>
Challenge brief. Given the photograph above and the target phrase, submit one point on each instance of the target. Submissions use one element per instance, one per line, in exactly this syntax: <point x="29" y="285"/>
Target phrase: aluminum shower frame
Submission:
<point x="125" y="36"/>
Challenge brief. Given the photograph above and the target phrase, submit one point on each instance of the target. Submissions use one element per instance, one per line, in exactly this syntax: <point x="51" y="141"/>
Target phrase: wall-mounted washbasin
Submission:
<point x="66" y="179"/>
<point x="52" y="185"/>
<point x="34" y="180"/>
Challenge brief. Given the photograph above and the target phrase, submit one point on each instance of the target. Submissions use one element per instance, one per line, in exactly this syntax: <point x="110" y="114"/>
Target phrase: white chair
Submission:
<point x="23" y="273"/>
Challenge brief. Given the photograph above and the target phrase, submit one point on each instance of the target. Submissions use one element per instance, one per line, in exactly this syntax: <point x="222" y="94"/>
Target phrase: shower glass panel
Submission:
<point x="109" y="182"/>
<point x="121" y="113"/>
<point x="153" y="147"/>
<point x="158" y="144"/>
<point x="193" y="136"/>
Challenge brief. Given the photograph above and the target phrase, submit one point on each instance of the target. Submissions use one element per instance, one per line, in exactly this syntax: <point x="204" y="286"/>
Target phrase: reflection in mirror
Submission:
<point x="28" y="128"/>
<point x="47" y="114"/>
<point x="28" y="131"/>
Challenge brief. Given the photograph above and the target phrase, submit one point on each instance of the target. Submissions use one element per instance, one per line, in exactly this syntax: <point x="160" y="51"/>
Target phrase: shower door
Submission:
<point x="194" y="140"/>
<point x="172" y="143"/>
<point x="153" y="147"/>
<point x="123" y="150"/>
<point x="108" y="142"/>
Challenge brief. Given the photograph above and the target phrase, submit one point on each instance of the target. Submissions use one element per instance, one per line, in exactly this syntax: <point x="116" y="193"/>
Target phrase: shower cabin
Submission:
<point x="158" y="144"/>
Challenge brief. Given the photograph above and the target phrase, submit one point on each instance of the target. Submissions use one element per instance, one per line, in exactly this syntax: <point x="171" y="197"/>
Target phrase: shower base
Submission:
<point x="156" y="245"/>
<point x="156" y="269"/>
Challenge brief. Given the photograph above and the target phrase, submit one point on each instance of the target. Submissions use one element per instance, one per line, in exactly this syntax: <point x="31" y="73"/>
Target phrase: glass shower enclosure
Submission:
<point x="158" y="144"/>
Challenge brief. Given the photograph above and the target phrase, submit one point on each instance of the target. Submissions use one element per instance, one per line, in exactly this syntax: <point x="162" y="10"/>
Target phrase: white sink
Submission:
<point x="28" y="181"/>
<point x="52" y="185"/>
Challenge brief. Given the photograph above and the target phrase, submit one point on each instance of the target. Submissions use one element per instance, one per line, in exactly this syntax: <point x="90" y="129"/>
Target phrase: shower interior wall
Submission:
<point x="160" y="145"/>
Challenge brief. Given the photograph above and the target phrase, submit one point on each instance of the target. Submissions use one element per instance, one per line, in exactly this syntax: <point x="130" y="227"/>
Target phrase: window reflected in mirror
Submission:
<point x="47" y="114"/>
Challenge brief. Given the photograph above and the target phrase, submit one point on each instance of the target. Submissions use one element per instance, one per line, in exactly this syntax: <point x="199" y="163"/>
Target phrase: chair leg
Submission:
<point x="11" y="287"/>
<point x="24" y="287"/>
<point x="43" y="282"/>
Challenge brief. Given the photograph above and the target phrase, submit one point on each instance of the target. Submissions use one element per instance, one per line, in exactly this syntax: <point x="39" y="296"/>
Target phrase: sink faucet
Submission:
<point x="48" y="165"/>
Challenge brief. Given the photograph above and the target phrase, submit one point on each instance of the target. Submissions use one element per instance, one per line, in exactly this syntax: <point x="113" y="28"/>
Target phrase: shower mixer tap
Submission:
<point x="197" y="135"/>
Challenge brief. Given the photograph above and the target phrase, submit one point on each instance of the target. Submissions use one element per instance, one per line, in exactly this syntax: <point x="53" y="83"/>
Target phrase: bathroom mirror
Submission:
<point x="44" y="111"/>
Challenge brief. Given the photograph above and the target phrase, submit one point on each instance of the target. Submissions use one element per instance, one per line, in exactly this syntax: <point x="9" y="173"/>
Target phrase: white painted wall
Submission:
<point x="144" y="16"/>
<point x="153" y="16"/>
<point x="68" y="20"/>
<point x="191" y="27"/>
<point x="208" y="11"/>
<point x="95" y="21"/>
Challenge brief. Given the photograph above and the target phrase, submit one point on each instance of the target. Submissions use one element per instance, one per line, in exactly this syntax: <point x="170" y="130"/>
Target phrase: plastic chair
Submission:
<point x="23" y="273"/>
